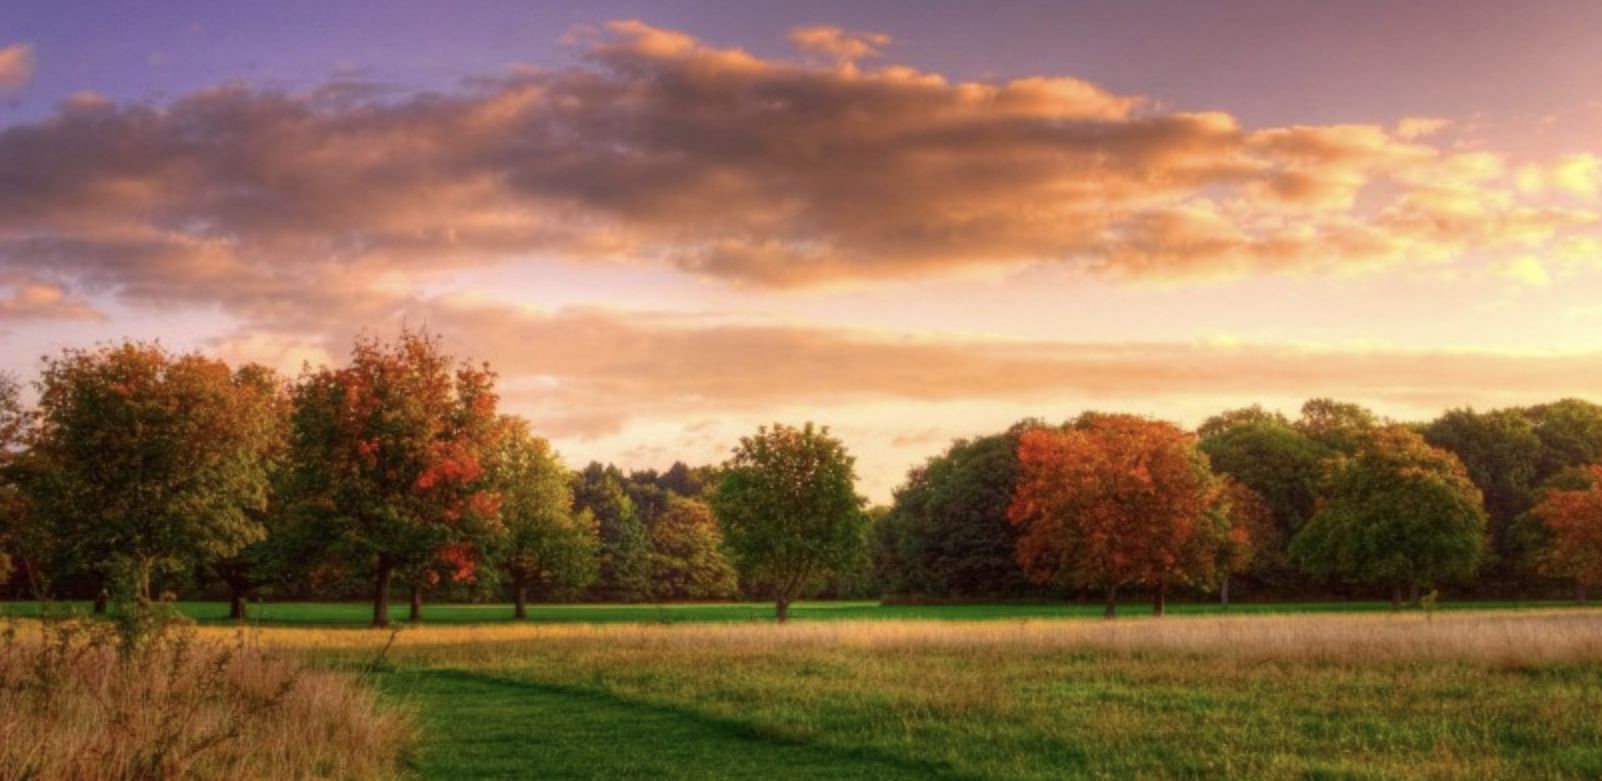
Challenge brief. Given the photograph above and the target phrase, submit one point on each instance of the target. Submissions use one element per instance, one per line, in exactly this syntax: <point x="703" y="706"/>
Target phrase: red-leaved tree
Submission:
<point x="1116" y="500"/>
<point x="1572" y="520"/>
<point x="389" y="456"/>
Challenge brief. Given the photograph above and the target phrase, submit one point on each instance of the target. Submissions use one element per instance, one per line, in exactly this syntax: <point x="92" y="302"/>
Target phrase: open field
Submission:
<point x="359" y="614"/>
<point x="1464" y="695"/>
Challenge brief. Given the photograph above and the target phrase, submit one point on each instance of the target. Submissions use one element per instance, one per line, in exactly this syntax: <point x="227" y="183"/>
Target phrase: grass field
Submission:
<point x="1270" y="692"/>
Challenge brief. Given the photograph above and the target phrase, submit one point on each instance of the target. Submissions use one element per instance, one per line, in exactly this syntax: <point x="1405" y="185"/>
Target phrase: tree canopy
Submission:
<point x="1398" y="513"/>
<point x="788" y="505"/>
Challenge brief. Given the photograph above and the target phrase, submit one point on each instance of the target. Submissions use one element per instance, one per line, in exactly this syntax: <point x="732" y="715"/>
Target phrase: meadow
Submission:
<point x="976" y="692"/>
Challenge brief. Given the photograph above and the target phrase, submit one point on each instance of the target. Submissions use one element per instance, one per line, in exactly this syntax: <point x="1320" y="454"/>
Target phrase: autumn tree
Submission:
<point x="788" y="506"/>
<point x="1398" y="514"/>
<point x="1255" y="542"/>
<point x="1116" y="500"/>
<point x="156" y="462"/>
<point x="947" y="533"/>
<point x="625" y="556"/>
<point x="388" y="455"/>
<point x="545" y="545"/>
<point x="687" y="560"/>
<point x="1571" y="523"/>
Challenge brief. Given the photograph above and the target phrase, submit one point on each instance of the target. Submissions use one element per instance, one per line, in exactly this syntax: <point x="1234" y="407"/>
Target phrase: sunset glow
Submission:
<point x="666" y="224"/>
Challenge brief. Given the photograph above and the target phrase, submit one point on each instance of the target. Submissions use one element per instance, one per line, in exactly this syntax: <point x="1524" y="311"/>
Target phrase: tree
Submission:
<point x="788" y="506"/>
<point x="1255" y="543"/>
<point x="1338" y="425"/>
<point x="546" y="545"/>
<point x="13" y="425"/>
<point x="947" y="533"/>
<point x="1113" y="500"/>
<point x="1503" y="454"/>
<point x="1283" y="466"/>
<point x="687" y="560"/>
<point x="1570" y="432"/>
<point x="271" y="556"/>
<point x="625" y="564"/>
<point x="1571" y="520"/>
<point x="1235" y="418"/>
<point x="157" y="462"/>
<point x="1399" y="513"/>
<point x="388" y="456"/>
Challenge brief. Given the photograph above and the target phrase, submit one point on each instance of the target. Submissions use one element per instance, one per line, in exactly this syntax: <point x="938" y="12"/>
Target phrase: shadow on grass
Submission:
<point x="484" y="727"/>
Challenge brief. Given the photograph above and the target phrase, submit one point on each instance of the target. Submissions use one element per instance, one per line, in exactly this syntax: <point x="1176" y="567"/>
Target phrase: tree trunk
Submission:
<point x="1396" y="599"/>
<point x="102" y="598"/>
<point x="781" y="610"/>
<point x="416" y="614"/>
<point x="1223" y="592"/>
<point x="1112" y="603"/>
<point x="236" y="604"/>
<point x="1412" y="594"/>
<point x="520" y="599"/>
<point x="1159" y="599"/>
<point x="1579" y="593"/>
<point x="381" y="594"/>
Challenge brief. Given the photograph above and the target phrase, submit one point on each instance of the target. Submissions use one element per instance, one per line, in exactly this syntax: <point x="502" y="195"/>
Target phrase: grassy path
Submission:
<point x="483" y="727"/>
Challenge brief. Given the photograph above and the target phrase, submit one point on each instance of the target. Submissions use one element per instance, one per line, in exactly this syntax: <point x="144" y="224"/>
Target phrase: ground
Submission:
<point x="1270" y="692"/>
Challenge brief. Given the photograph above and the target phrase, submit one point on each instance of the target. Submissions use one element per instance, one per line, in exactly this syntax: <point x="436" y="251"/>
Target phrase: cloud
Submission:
<point x="1527" y="270"/>
<point x="28" y="298"/>
<point x="16" y="66"/>
<point x="657" y="148"/>
<point x="582" y="373"/>
<point x="839" y="44"/>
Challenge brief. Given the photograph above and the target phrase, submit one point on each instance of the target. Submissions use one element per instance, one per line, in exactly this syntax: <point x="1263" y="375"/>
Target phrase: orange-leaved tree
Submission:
<point x="1572" y="521"/>
<point x="1116" y="500"/>
<point x="389" y="455"/>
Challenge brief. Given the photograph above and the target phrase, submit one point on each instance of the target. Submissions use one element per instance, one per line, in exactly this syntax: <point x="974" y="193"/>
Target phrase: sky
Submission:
<point x="667" y="223"/>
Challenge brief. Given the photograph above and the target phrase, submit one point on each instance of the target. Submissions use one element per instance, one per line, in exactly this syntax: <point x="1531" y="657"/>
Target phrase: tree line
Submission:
<point x="139" y="471"/>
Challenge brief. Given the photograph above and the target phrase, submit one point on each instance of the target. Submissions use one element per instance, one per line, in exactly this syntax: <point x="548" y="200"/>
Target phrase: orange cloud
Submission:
<point x="16" y="66"/>
<point x="27" y="298"/>
<point x="661" y="149"/>
<point x="837" y="43"/>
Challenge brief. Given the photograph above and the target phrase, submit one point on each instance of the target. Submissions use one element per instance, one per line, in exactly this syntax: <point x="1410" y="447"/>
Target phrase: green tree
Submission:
<point x="1399" y="513"/>
<point x="13" y="425"/>
<point x="788" y="506"/>
<point x="947" y="533"/>
<point x="1338" y="425"/>
<point x="388" y="457"/>
<point x="546" y="545"/>
<point x="157" y="463"/>
<point x="1283" y="466"/>
<point x="1503" y="454"/>
<point x="1570" y="432"/>
<point x="625" y="561"/>
<point x="272" y="556"/>
<point x="687" y="559"/>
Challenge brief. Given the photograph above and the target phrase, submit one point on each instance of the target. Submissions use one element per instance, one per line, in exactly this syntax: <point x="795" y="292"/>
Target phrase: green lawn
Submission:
<point x="649" y="704"/>
<point x="353" y="614"/>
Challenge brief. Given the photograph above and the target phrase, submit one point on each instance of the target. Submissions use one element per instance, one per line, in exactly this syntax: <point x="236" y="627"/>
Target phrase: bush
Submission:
<point x="76" y="705"/>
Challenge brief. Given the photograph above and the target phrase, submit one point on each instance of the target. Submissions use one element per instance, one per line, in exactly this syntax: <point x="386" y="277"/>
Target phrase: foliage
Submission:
<point x="545" y="545"/>
<point x="150" y="462"/>
<point x="788" y="505"/>
<point x="1282" y="464"/>
<point x="687" y="560"/>
<point x="1571" y="520"/>
<point x="1114" y="500"/>
<point x="947" y="534"/>
<point x="1399" y="513"/>
<point x="1337" y="425"/>
<point x="625" y="554"/>
<point x="389" y="459"/>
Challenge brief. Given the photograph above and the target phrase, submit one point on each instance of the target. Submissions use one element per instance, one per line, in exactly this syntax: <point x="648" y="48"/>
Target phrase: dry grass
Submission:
<point x="1501" y="638"/>
<point x="73" y="709"/>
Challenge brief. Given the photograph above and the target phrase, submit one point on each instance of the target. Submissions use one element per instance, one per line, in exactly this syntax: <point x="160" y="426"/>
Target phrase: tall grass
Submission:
<point x="78" y="705"/>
